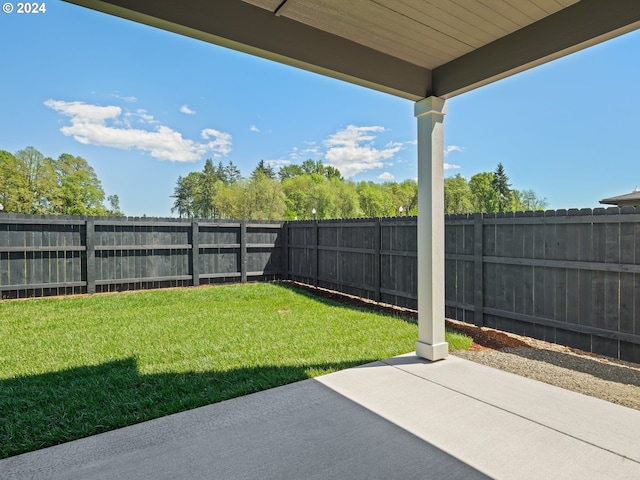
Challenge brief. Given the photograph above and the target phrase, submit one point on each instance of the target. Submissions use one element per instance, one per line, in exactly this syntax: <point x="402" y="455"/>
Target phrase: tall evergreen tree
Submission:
<point x="185" y="194"/>
<point x="263" y="169"/>
<point x="500" y="184"/>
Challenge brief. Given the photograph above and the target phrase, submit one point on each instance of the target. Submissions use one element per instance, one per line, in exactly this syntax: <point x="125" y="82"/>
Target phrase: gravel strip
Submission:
<point x="607" y="379"/>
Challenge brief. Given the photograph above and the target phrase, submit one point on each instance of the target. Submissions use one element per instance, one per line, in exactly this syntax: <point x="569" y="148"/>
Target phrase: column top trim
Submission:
<point x="429" y="106"/>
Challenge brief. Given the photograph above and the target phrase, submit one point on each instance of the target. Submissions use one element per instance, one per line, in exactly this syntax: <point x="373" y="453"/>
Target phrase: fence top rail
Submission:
<point x="227" y="224"/>
<point x="548" y="213"/>
<point x="37" y="220"/>
<point x="631" y="218"/>
<point x="138" y="223"/>
<point x="265" y="225"/>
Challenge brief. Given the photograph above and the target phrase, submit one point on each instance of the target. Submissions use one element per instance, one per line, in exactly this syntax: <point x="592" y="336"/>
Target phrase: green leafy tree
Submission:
<point x="346" y="202"/>
<point x="31" y="183"/>
<point x="36" y="182"/>
<point x="10" y="181"/>
<point x="457" y="195"/>
<point x="263" y="199"/>
<point x="289" y="171"/>
<point x="332" y="172"/>
<point x="316" y="166"/>
<point x="376" y="200"/>
<point x="230" y="200"/>
<point x="114" y="206"/>
<point x="526" y="200"/>
<point x="484" y="195"/>
<point x="405" y="195"/>
<point x="302" y="195"/>
<point x="79" y="189"/>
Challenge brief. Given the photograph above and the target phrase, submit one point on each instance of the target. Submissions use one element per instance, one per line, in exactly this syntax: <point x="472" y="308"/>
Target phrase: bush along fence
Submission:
<point x="569" y="277"/>
<point x="58" y="255"/>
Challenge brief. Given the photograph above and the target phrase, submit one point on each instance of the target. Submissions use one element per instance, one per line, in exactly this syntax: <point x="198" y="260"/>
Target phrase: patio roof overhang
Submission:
<point x="410" y="48"/>
<point x="422" y="50"/>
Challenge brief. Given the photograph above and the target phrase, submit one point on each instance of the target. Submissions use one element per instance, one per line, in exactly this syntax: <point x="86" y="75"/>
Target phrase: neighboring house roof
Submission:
<point x="628" y="200"/>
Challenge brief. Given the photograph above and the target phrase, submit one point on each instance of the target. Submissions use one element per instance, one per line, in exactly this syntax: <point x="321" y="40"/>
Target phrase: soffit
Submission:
<point x="428" y="33"/>
<point x="410" y="48"/>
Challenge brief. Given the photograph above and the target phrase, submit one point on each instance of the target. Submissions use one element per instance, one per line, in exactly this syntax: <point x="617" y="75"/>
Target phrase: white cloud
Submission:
<point x="352" y="150"/>
<point x="142" y="116"/>
<point x="278" y="163"/>
<point x="452" y="148"/>
<point x="129" y="99"/>
<point x="386" y="176"/>
<point x="185" y="109"/>
<point x="447" y="151"/>
<point x="98" y="125"/>
<point x="253" y="128"/>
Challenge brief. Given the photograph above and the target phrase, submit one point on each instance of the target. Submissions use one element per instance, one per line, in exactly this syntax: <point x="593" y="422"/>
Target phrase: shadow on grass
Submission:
<point x="44" y="410"/>
<point x="336" y="299"/>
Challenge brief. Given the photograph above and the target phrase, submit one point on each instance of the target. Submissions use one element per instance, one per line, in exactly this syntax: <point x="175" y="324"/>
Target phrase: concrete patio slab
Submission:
<point x="399" y="418"/>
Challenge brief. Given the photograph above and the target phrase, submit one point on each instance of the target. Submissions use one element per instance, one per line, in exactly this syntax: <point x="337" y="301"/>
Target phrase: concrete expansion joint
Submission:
<point x="506" y="410"/>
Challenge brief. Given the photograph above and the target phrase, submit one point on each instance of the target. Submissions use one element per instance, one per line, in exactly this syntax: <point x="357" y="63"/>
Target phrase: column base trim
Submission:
<point x="439" y="351"/>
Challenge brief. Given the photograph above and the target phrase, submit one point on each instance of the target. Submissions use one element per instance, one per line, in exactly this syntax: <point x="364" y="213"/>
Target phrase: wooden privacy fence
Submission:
<point x="369" y="258"/>
<point x="54" y="255"/>
<point x="569" y="277"/>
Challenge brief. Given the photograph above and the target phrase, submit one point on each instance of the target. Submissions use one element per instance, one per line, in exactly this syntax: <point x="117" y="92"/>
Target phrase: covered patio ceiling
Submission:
<point x="410" y="48"/>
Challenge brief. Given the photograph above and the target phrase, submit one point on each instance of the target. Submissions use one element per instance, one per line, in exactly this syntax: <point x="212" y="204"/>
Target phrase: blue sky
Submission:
<point x="144" y="106"/>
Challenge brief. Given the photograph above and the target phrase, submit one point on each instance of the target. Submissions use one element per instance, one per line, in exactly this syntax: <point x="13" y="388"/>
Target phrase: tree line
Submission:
<point x="314" y="190"/>
<point x="34" y="184"/>
<point x="488" y="192"/>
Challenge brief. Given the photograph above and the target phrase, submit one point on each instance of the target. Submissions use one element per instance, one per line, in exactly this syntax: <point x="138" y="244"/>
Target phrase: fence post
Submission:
<point x="195" y="253"/>
<point x="285" y="251"/>
<point x="90" y="255"/>
<point x="376" y="259"/>
<point x="243" y="251"/>
<point x="316" y="261"/>
<point x="478" y="295"/>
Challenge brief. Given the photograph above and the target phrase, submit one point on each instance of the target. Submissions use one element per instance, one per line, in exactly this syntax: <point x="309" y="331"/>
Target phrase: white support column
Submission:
<point x="431" y="343"/>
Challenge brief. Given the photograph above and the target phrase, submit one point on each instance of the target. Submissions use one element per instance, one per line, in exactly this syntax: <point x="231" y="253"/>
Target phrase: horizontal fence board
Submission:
<point x="40" y="286"/>
<point x="53" y="248"/>
<point x="143" y="279"/>
<point x="532" y="262"/>
<point x="118" y="248"/>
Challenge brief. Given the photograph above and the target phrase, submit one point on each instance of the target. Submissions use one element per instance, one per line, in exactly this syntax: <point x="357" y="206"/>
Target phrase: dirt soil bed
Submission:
<point x="609" y="379"/>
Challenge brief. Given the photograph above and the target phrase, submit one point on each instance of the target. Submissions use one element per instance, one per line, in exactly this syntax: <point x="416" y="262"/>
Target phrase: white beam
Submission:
<point x="431" y="343"/>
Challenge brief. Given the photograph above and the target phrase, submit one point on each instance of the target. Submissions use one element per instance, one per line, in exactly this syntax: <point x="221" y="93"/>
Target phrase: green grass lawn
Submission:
<point x="72" y="367"/>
